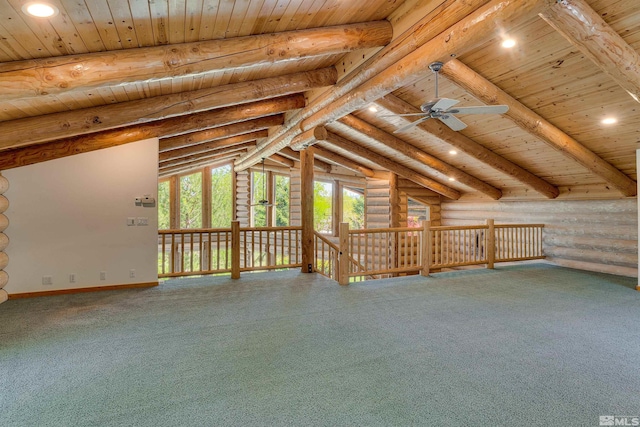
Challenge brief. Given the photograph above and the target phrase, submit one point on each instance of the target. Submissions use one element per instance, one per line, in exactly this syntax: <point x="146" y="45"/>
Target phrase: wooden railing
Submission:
<point x="359" y="254"/>
<point x="389" y="252"/>
<point x="227" y="250"/>
<point x="326" y="256"/>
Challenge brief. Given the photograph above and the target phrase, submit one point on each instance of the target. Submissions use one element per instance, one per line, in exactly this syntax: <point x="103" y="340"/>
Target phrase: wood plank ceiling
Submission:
<point x="221" y="80"/>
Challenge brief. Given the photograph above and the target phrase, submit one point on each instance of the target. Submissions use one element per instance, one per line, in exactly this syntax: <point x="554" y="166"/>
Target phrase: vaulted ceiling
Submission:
<point x="244" y="80"/>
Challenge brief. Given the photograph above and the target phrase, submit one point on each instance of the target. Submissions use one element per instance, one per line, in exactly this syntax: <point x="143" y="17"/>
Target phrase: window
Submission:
<point x="191" y="200"/>
<point x="282" y="201"/>
<point x="353" y="207"/>
<point x="221" y="197"/>
<point x="164" y="210"/>
<point x="259" y="193"/>
<point x="323" y="207"/>
<point x="416" y="213"/>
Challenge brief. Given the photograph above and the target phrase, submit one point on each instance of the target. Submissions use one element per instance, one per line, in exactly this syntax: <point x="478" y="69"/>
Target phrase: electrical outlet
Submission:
<point x="131" y="221"/>
<point x="72" y="278"/>
<point x="103" y="275"/>
<point x="47" y="280"/>
<point x="132" y="273"/>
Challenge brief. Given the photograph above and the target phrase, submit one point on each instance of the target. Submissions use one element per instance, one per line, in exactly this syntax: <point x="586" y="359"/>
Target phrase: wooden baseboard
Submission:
<point x="80" y="290"/>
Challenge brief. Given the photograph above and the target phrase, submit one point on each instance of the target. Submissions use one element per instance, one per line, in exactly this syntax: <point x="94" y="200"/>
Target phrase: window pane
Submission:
<point x="191" y="201"/>
<point x="322" y="206"/>
<point x="353" y="208"/>
<point x="163" y="205"/>
<point x="282" y="201"/>
<point x="416" y="213"/>
<point x="259" y="193"/>
<point x="221" y="197"/>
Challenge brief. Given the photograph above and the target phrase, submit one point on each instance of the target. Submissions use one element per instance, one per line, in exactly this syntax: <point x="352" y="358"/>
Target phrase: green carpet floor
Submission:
<point x="527" y="345"/>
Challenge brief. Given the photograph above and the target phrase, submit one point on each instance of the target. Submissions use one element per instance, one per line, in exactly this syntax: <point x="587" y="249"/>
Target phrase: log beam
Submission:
<point x="244" y="145"/>
<point x="343" y="161"/>
<point x="284" y="161"/>
<point x="306" y="211"/>
<point x="205" y="136"/>
<point x="169" y="127"/>
<point x="470" y="147"/>
<point x="586" y="30"/>
<point x="391" y="166"/>
<point x="37" y="77"/>
<point x="307" y="138"/>
<point x="416" y="153"/>
<point x="185" y="168"/>
<point x="211" y="146"/>
<point x="459" y="38"/>
<point x="203" y="161"/>
<point x="317" y="163"/>
<point x="31" y="130"/>
<point x="447" y="13"/>
<point x="533" y="123"/>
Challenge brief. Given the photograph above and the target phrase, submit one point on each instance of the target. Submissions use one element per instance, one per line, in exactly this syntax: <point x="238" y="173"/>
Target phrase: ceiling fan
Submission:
<point x="263" y="202"/>
<point x="441" y="109"/>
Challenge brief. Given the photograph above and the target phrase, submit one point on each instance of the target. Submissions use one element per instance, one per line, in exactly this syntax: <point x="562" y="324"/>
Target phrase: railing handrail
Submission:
<point x="326" y="241"/>
<point x="219" y="230"/>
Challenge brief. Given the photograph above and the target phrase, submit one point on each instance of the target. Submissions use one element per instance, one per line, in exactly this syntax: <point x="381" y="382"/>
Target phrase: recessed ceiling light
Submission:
<point x="451" y="178"/>
<point x="373" y="109"/>
<point x="40" y="10"/>
<point x="609" y="121"/>
<point x="453" y="152"/>
<point x="508" y="43"/>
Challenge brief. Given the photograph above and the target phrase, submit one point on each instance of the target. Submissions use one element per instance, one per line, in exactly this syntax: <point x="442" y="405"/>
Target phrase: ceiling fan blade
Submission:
<point x="444" y="104"/>
<point x="402" y="115"/>
<point x="452" y="121"/>
<point x="412" y="124"/>
<point x="481" y="109"/>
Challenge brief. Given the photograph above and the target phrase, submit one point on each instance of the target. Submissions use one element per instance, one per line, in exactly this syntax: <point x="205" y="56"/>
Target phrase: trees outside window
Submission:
<point x="164" y="211"/>
<point x="323" y="207"/>
<point x="258" y="192"/>
<point x="221" y="197"/>
<point x="191" y="200"/>
<point x="353" y="207"/>
<point x="282" y="200"/>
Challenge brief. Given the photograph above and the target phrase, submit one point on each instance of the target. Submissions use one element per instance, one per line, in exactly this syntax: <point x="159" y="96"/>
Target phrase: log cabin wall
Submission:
<point x="295" y="196"/>
<point x="378" y="208"/>
<point x="594" y="235"/>
<point x="243" y="198"/>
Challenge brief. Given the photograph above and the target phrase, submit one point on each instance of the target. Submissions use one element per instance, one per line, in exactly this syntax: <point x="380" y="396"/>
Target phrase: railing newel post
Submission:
<point x="491" y="244"/>
<point x="235" y="249"/>
<point x="343" y="255"/>
<point x="426" y="247"/>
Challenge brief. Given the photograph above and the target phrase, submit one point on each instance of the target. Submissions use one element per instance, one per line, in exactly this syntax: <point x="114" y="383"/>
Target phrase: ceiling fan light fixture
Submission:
<point x="40" y="10"/>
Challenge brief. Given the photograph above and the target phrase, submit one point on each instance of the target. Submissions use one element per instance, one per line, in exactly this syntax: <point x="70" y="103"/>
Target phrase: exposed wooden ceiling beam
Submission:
<point x="284" y="161"/>
<point x="169" y="127"/>
<point x="528" y="120"/>
<point x="205" y="136"/>
<point x="585" y="29"/>
<point x="309" y="137"/>
<point x="31" y="130"/>
<point x="343" y="161"/>
<point x="317" y="163"/>
<point x="470" y="147"/>
<point x="35" y="77"/>
<point x="459" y="36"/>
<point x="247" y="143"/>
<point x="212" y="145"/>
<point x="186" y="167"/>
<point x="391" y="166"/>
<point x="416" y="153"/>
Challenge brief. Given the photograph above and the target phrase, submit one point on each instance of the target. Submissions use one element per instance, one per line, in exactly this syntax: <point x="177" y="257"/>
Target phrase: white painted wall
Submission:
<point x="69" y="216"/>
